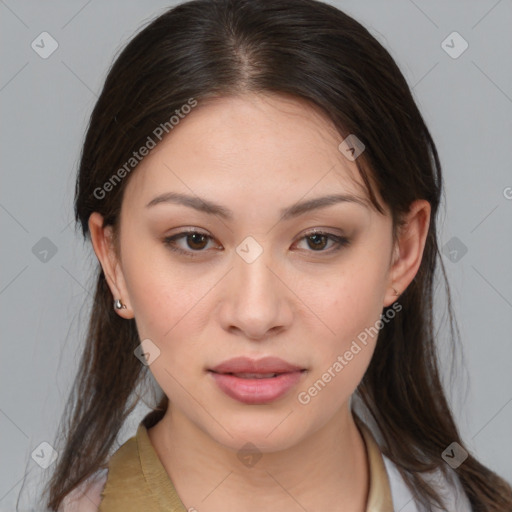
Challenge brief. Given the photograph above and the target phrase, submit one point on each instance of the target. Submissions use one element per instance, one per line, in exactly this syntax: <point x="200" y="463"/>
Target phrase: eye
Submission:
<point x="317" y="240"/>
<point x="196" y="242"/>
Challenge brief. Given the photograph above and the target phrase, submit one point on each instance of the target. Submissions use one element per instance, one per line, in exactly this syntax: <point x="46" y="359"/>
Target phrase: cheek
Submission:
<point x="345" y="349"/>
<point x="161" y="293"/>
<point x="171" y="310"/>
<point x="330" y="387"/>
<point x="168" y="312"/>
<point x="346" y="302"/>
<point x="347" y="311"/>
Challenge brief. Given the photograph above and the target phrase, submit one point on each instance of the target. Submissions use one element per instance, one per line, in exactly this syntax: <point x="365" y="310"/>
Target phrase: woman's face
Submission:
<point x="255" y="281"/>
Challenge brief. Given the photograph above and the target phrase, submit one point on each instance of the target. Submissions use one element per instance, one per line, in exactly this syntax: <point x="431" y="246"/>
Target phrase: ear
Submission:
<point x="408" y="250"/>
<point x="103" y="244"/>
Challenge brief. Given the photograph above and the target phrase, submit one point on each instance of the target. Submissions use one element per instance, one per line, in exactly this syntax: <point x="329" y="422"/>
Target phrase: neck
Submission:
<point x="326" y="470"/>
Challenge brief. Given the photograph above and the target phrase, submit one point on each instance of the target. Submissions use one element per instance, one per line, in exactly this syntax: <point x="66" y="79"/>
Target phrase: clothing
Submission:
<point x="136" y="480"/>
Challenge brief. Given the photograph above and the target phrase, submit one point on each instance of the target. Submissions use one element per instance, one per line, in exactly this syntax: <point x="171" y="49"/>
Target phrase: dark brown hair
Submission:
<point x="312" y="51"/>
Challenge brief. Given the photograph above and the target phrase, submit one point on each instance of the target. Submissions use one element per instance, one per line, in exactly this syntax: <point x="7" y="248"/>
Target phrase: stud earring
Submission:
<point x="119" y="305"/>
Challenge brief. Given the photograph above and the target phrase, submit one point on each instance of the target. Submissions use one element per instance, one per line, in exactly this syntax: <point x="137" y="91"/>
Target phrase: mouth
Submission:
<point x="255" y="382"/>
<point x="266" y="367"/>
<point x="253" y="375"/>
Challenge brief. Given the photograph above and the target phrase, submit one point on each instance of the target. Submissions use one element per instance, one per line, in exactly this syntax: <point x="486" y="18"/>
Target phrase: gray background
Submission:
<point x="45" y="104"/>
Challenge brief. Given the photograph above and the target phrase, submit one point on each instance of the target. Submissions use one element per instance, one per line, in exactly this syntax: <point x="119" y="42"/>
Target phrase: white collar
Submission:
<point x="403" y="500"/>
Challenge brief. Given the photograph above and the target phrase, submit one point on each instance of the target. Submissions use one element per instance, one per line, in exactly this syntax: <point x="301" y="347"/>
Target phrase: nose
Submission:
<point x="257" y="299"/>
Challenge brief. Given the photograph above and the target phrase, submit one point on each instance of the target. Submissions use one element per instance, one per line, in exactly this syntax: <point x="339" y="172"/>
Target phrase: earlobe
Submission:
<point x="409" y="250"/>
<point x="102" y="242"/>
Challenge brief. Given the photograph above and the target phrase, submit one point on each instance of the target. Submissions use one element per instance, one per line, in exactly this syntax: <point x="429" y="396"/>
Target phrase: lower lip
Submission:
<point x="256" y="391"/>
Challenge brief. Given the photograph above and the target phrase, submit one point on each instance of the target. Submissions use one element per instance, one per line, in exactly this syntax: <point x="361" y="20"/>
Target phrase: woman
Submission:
<point x="261" y="193"/>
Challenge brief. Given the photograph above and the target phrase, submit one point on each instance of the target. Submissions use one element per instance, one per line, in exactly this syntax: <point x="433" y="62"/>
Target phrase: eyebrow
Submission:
<point x="203" y="205"/>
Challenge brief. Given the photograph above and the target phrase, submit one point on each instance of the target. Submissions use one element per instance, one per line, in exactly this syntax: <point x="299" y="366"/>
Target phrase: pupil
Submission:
<point x="315" y="239"/>
<point x="194" y="237"/>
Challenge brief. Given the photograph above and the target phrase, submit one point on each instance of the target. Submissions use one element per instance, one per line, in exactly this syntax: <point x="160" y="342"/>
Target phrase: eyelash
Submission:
<point x="340" y="242"/>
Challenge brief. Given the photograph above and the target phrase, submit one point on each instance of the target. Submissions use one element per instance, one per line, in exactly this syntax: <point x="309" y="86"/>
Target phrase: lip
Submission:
<point x="256" y="390"/>
<point x="248" y="365"/>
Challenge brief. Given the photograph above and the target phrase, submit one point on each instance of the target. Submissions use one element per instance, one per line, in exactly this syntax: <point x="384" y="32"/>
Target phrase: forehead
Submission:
<point x="253" y="144"/>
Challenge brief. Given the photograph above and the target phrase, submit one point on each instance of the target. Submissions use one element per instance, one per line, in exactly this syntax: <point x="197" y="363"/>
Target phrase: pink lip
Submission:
<point x="248" y="365"/>
<point x="256" y="391"/>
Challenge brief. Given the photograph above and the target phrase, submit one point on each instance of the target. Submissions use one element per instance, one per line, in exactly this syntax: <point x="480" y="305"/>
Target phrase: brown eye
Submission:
<point x="195" y="243"/>
<point x="318" y="241"/>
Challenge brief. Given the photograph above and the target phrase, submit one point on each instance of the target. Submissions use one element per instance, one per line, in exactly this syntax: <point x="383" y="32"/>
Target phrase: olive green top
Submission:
<point x="137" y="480"/>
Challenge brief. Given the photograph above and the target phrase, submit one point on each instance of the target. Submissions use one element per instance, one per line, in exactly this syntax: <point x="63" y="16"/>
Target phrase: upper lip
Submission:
<point x="248" y="365"/>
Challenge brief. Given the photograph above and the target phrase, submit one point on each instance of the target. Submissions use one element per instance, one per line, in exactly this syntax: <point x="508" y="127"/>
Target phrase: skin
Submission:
<point x="256" y="154"/>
